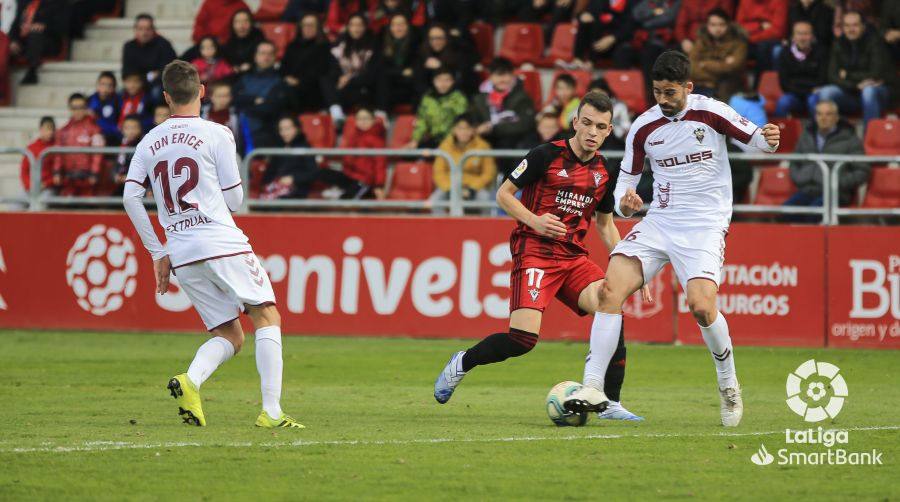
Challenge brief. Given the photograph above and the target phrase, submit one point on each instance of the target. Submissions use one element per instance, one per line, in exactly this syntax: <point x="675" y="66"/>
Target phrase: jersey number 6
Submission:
<point x="181" y="165"/>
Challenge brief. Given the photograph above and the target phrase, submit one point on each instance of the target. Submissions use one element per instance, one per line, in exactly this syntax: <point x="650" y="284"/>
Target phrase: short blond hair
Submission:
<point x="181" y="82"/>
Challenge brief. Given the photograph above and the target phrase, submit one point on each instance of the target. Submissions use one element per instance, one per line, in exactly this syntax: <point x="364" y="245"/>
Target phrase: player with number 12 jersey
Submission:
<point x="191" y="165"/>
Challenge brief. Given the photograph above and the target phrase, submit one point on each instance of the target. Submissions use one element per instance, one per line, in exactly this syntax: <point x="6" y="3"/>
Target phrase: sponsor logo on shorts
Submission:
<point x="663" y="194"/>
<point x="519" y="169"/>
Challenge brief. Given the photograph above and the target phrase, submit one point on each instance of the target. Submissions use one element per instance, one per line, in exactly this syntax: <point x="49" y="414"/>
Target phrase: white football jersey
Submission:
<point x="689" y="160"/>
<point x="190" y="162"/>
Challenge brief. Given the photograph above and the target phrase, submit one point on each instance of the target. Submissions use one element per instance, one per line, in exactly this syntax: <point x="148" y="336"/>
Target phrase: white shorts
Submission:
<point x="220" y="287"/>
<point x="694" y="253"/>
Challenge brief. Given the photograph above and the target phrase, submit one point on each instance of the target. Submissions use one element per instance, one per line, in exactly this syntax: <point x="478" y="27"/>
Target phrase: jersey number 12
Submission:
<point x="184" y="166"/>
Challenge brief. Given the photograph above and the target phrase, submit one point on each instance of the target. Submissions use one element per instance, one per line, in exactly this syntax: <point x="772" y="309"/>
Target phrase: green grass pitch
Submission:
<point x="86" y="416"/>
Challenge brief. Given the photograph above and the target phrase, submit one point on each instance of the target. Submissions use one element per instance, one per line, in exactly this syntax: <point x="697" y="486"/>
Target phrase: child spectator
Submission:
<point x="220" y="110"/>
<point x="356" y="77"/>
<point x="368" y="171"/>
<point x="621" y="120"/>
<point x="106" y="106"/>
<point x="240" y="49"/>
<point x="210" y="65"/>
<point x="718" y="57"/>
<point x="46" y="138"/>
<point x="479" y="173"/>
<point x="161" y="113"/>
<point x="437" y="111"/>
<point x="135" y="100"/>
<point x="549" y="129"/>
<point x="132" y="133"/>
<point x="564" y="104"/>
<point x="77" y="173"/>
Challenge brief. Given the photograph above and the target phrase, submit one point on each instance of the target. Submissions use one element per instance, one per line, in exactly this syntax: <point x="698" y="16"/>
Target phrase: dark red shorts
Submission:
<point x="535" y="280"/>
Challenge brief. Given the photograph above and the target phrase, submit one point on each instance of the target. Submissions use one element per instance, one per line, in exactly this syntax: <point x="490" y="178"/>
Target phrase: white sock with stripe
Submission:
<point x="269" y="365"/>
<point x="209" y="356"/>
<point x="719" y="343"/>
<point x="604" y="339"/>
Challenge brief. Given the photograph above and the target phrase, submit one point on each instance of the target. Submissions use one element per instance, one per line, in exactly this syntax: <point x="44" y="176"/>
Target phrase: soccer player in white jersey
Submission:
<point x="684" y="138"/>
<point x="191" y="165"/>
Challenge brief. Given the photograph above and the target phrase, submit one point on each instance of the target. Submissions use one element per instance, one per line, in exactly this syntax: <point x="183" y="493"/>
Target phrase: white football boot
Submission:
<point x="732" y="405"/>
<point x="449" y="378"/>
<point x="615" y="411"/>
<point x="586" y="399"/>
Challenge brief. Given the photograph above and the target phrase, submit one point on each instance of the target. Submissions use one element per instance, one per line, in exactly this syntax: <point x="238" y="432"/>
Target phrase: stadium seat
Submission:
<point x="770" y="88"/>
<point x="258" y="168"/>
<point x="791" y="129"/>
<point x="279" y="34"/>
<point x="411" y="181"/>
<point x="628" y="86"/>
<point x="562" y="44"/>
<point x="270" y="10"/>
<point x="318" y="129"/>
<point x="884" y="188"/>
<point x="883" y="137"/>
<point x="402" y="131"/>
<point x="523" y="43"/>
<point x="775" y="186"/>
<point x="483" y="34"/>
<point x="531" y="80"/>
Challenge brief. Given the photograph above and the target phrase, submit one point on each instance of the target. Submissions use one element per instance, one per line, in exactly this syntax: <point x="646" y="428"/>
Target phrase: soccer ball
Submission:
<point x="558" y="415"/>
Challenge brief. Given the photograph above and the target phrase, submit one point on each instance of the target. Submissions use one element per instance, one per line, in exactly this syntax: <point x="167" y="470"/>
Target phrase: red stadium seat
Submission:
<point x="318" y="129"/>
<point x="884" y="188"/>
<point x="258" y="168"/>
<point x="628" y="86"/>
<point x="531" y="80"/>
<point x="770" y="88"/>
<point x="562" y="45"/>
<point x="483" y="34"/>
<point x="270" y="10"/>
<point x="791" y="129"/>
<point x="411" y="181"/>
<point x="522" y="43"/>
<point x="402" y="131"/>
<point x="279" y="34"/>
<point x="883" y="137"/>
<point x="775" y="186"/>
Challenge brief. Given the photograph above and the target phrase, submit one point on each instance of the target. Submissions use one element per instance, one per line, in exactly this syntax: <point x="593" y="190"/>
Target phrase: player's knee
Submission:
<point x="264" y="315"/>
<point x="609" y="296"/>
<point x="236" y="339"/>
<point x="703" y="310"/>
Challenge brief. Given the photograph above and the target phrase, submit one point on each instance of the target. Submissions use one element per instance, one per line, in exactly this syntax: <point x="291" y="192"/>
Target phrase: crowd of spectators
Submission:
<point x="363" y="62"/>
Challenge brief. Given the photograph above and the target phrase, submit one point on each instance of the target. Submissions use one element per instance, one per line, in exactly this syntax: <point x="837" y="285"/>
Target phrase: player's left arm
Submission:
<point x="227" y="170"/>
<point x="133" y="200"/>
<point x="734" y="125"/>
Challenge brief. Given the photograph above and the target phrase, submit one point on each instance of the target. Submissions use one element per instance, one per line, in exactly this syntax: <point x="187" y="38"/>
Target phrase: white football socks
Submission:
<point x="209" y="356"/>
<point x="269" y="365"/>
<point x="604" y="340"/>
<point x="719" y="343"/>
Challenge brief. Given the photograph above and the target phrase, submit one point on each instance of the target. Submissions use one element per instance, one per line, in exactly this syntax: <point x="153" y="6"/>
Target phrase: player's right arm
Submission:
<point x="627" y="201"/>
<point x="133" y="200"/>
<point x="532" y="168"/>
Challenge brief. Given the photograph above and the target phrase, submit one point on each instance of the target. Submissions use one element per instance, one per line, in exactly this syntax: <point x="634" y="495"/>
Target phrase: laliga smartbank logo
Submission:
<point x="816" y="391"/>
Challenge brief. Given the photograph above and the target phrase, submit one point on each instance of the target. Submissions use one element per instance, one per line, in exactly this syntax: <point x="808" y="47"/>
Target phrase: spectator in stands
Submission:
<point x="547" y="12"/>
<point x="889" y="22"/>
<point x="443" y="50"/>
<point x="750" y="104"/>
<point x="77" y="173"/>
<point x="240" y="49"/>
<point x="381" y="12"/>
<point x="766" y="24"/>
<point x="339" y="14"/>
<point x="605" y="29"/>
<point x="438" y="111"/>
<point x="503" y="110"/>
<point x="220" y="110"/>
<point x="621" y="121"/>
<point x="46" y="138"/>
<point x="161" y="113"/>
<point x="214" y="19"/>
<point x="356" y="75"/>
<point x="260" y="97"/>
<point x="548" y="129"/>
<point x="132" y="132"/>
<point x="866" y="9"/>
<point x="305" y="66"/>
<point x="298" y="9"/>
<point x="803" y="69"/>
<point x="565" y="102"/>
<point x="37" y="32"/>
<point x="827" y="134"/>
<point x="718" y="58"/>
<point x="135" y="100"/>
<point x="479" y="173"/>
<point x="692" y="17"/>
<point x="147" y="54"/>
<point x="370" y="172"/>
<point x="106" y="106"/>
<point x="396" y="83"/>
<point x="858" y="70"/>
<point x="818" y="14"/>
<point x="210" y="64"/>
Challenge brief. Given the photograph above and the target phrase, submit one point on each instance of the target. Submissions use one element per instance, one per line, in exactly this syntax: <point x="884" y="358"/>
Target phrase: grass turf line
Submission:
<point x="374" y="431"/>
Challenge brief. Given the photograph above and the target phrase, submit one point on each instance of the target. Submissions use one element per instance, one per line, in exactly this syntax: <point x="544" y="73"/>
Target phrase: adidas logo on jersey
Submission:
<point x="562" y="173"/>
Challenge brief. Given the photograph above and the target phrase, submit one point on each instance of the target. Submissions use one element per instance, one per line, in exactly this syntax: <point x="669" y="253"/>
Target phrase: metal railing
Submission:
<point x="830" y="210"/>
<point x="23" y="199"/>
